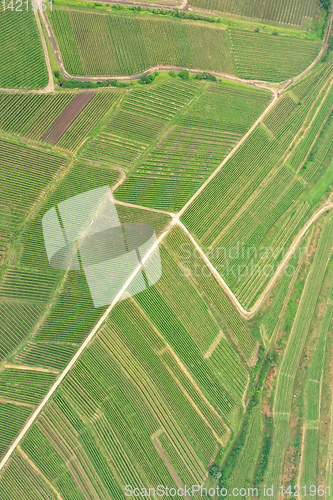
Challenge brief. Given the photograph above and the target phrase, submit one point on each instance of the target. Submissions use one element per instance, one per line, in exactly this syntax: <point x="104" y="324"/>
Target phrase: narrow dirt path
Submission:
<point x="78" y="353"/>
<point x="184" y="6"/>
<point x="249" y="314"/>
<point x="50" y="86"/>
<point x="140" y="207"/>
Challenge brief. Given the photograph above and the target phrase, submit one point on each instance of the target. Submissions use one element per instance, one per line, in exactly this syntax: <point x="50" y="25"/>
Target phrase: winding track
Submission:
<point x="256" y="83"/>
<point x="238" y="306"/>
<point x="175" y="220"/>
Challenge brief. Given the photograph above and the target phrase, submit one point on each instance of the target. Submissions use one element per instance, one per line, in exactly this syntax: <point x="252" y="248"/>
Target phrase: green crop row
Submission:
<point x="21" y="52"/>
<point x="280" y="58"/>
<point x="247" y="203"/>
<point x="302" y="321"/>
<point x="178" y="164"/>
<point x="17" y="321"/>
<point x="282" y="11"/>
<point x="31" y="114"/>
<point x="108" y="44"/>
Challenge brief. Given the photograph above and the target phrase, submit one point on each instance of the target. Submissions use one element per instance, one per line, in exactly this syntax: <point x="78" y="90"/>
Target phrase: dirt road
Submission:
<point x="184" y="6"/>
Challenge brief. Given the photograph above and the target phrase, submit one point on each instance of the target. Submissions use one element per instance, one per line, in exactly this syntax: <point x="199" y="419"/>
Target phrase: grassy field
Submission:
<point x="108" y="44"/>
<point x="282" y="11"/>
<point x="21" y="52"/>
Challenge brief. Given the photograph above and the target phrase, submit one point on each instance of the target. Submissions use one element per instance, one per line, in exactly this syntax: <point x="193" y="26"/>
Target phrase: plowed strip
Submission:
<point x="66" y="118"/>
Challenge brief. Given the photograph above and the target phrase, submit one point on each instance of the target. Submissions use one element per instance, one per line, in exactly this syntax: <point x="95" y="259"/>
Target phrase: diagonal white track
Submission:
<point x="176" y="221"/>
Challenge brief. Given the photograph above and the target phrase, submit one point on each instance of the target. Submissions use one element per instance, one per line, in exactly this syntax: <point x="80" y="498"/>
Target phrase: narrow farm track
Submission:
<point x="175" y="221"/>
<point x="239" y="307"/>
<point x="256" y="83"/>
<point x="249" y="314"/>
<point x="140" y="207"/>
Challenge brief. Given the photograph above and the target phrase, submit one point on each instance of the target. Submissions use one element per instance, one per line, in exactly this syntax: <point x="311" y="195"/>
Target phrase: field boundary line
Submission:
<point x="50" y="86"/>
<point x="261" y="84"/>
<point x="39" y="472"/>
<point x="79" y="352"/>
<point x="168" y="464"/>
<point x="256" y="83"/>
<point x="196" y="408"/>
<point x="250" y="313"/>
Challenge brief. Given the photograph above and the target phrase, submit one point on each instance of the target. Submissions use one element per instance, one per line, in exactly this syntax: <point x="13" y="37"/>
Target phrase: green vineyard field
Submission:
<point x="281" y="11"/>
<point x="21" y="52"/>
<point x="280" y="58"/>
<point x="187" y="153"/>
<point x="106" y="44"/>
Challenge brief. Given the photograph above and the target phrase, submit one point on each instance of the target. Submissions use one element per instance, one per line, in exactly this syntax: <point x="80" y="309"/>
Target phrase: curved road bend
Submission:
<point x="239" y="307"/>
<point x="249" y="314"/>
<point x="256" y="83"/>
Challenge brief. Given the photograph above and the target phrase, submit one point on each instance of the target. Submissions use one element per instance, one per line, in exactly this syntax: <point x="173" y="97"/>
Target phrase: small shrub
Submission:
<point x="215" y="472"/>
<point x="145" y="79"/>
<point x="184" y="74"/>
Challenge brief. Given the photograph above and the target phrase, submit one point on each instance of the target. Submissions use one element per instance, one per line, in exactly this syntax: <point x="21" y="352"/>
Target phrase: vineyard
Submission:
<point x="198" y="141"/>
<point x="282" y="11"/>
<point x="238" y="225"/>
<point x="142" y="117"/>
<point x="187" y="382"/>
<point x="293" y="55"/>
<point x="298" y="335"/>
<point x="107" y="44"/>
<point x="21" y="52"/>
<point x="62" y="119"/>
<point x="20" y="184"/>
<point x="99" y="386"/>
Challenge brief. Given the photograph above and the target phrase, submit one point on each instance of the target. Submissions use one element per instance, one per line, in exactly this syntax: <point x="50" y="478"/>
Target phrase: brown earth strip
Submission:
<point x="66" y="118"/>
<point x="169" y="465"/>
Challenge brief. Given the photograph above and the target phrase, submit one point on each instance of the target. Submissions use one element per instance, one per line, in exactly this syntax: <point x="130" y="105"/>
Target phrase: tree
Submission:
<point x="145" y="79"/>
<point x="215" y="472"/>
<point x="184" y="74"/>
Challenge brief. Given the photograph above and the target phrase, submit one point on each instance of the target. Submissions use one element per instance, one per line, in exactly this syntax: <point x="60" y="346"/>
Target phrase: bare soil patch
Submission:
<point x="66" y="118"/>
